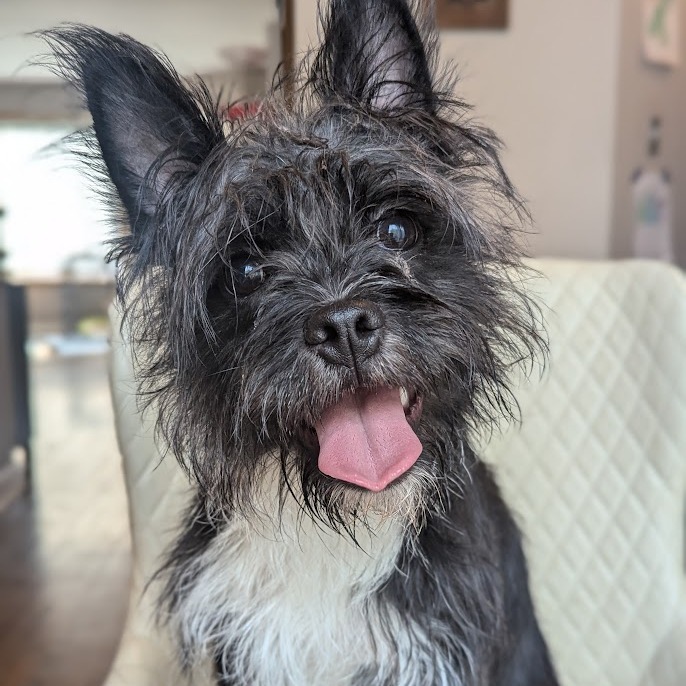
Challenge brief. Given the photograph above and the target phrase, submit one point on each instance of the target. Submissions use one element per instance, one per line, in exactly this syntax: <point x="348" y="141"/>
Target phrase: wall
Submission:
<point x="304" y="24"/>
<point x="547" y="85"/>
<point x="646" y="91"/>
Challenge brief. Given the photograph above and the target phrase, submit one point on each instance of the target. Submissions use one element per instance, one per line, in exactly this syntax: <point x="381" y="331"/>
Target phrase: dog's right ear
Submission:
<point x="375" y="53"/>
<point x="151" y="127"/>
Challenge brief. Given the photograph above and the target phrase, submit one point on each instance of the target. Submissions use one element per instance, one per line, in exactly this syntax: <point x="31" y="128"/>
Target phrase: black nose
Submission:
<point x="346" y="332"/>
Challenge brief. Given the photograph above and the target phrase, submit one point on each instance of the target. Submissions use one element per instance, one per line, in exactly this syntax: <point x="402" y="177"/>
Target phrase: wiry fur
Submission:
<point x="431" y="568"/>
<point x="283" y="618"/>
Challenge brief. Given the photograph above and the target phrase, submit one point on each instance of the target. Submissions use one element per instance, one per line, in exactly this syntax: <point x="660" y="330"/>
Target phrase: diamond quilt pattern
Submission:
<point x="596" y="474"/>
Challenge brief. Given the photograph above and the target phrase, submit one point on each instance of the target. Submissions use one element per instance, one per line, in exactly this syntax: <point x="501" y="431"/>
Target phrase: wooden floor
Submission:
<point x="64" y="551"/>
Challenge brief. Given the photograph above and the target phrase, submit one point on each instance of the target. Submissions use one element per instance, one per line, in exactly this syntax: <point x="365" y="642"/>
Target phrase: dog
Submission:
<point x="325" y="301"/>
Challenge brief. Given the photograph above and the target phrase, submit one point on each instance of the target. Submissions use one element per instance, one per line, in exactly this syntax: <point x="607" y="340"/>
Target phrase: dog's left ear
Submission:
<point x="374" y="53"/>
<point x="151" y="126"/>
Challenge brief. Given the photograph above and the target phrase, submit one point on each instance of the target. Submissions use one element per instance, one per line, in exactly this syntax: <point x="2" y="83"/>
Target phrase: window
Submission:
<point x="51" y="213"/>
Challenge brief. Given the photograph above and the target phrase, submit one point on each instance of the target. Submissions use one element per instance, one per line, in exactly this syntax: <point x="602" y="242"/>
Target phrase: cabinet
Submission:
<point x="15" y="426"/>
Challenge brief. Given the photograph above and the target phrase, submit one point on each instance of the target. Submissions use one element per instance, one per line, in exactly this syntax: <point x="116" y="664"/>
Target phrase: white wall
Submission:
<point x="304" y="24"/>
<point x="194" y="34"/>
<point x="547" y="85"/>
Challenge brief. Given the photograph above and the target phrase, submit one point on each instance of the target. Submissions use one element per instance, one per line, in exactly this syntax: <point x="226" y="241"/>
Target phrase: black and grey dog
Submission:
<point x="325" y="304"/>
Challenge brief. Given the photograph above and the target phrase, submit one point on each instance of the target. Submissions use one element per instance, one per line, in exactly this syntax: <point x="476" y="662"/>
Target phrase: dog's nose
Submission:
<point x="346" y="333"/>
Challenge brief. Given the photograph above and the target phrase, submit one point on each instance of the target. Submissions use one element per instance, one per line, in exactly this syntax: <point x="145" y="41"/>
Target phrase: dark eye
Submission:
<point x="248" y="275"/>
<point x="398" y="233"/>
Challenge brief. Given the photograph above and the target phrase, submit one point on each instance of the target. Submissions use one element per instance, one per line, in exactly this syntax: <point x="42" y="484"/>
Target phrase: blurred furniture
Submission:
<point x="15" y="427"/>
<point x="87" y="288"/>
<point x="596" y="477"/>
<point x="58" y="305"/>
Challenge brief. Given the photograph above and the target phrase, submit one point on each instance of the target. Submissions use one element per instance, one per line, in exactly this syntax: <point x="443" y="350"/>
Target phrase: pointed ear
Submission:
<point x="373" y="53"/>
<point x="150" y="126"/>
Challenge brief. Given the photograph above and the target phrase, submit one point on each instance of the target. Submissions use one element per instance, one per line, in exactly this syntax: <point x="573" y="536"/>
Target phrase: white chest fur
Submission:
<point x="290" y="599"/>
<point x="294" y="604"/>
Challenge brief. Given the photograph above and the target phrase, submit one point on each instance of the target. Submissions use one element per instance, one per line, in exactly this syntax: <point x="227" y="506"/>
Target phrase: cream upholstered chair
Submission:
<point x="596" y="476"/>
<point x="597" y="473"/>
<point x="158" y="492"/>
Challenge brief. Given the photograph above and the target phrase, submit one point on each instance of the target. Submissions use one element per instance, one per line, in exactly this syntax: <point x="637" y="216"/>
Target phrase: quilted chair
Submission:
<point x="596" y="475"/>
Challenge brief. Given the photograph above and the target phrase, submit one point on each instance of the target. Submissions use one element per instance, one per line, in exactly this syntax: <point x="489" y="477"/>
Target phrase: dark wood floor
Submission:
<point x="64" y="551"/>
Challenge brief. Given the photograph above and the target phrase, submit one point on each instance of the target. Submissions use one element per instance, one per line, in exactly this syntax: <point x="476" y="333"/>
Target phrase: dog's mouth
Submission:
<point x="367" y="437"/>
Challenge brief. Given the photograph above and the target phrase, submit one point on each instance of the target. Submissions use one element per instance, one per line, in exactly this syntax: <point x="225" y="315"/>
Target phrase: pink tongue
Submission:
<point x="366" y="440"/>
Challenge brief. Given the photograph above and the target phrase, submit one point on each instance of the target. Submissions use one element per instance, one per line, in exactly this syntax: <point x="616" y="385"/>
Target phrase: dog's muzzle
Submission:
<point x="365" y="438"/>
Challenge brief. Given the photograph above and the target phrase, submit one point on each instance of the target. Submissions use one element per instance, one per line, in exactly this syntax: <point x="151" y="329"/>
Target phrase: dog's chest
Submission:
<point x="290" y="604"/>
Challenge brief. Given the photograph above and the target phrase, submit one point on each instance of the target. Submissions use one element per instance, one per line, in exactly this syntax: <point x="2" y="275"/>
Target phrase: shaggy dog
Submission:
<point x="325" y="303"/>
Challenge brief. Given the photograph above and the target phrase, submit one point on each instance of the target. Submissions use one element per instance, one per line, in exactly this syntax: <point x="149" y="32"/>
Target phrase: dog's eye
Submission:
<point x="398" y="233"/>
<point x="248" y="275"/>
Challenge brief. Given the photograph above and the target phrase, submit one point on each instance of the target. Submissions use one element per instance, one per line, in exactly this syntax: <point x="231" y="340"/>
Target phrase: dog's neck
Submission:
<point x="277" y="582"/>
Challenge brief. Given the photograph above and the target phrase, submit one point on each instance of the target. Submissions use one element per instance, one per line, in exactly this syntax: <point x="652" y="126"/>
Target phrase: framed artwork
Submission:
<point x="472" y="14"/>
<point x="660" y="30"/>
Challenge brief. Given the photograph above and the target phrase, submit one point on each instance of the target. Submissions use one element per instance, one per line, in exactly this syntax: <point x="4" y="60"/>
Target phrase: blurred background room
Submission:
<point x="589" y="98"/>
<point x="64" y="541"/>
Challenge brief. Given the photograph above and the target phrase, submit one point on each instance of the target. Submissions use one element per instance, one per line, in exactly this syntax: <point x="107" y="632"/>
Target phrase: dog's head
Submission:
<point x="329" y="287"/>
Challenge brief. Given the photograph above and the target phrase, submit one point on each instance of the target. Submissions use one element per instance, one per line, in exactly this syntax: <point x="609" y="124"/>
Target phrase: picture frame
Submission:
<point x="472" y="14"/>
<point x="660" y="28"/>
